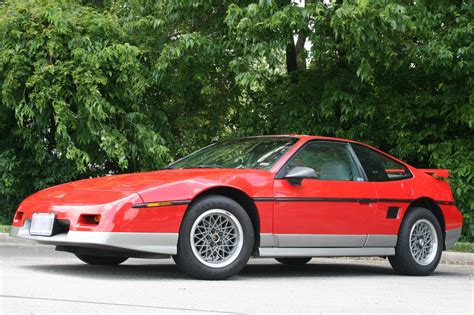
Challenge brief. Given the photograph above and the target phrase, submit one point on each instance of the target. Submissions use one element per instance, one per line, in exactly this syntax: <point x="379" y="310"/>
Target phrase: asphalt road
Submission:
<point x="37" y="279"/>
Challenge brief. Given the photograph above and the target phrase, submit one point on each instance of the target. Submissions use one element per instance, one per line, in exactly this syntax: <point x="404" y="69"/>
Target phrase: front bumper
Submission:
<point x="147" y="243"/>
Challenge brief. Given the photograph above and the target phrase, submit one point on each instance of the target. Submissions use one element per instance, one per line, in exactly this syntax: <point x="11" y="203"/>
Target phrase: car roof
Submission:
<point x="305" y="137"/>
<point x="309" y="137"/>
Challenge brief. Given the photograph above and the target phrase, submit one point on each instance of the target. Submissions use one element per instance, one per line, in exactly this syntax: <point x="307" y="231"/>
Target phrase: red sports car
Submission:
<point x="287" y="197"/>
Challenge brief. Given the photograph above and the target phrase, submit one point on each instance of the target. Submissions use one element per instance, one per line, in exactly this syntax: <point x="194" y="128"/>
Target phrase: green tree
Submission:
<point x="396" y="74"/>
<point x="71" y="88"/>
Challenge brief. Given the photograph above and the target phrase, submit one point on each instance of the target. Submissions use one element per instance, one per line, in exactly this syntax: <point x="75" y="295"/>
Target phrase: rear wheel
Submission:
<point x="419" y="244"/>
<point x="101" y="260"/>
<point x="216" y="239"/>
<point x="293" y="260"/>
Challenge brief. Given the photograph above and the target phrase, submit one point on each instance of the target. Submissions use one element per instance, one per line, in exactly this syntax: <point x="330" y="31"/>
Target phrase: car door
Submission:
<point x="393" y="184"/>
<point x="333" y="209"/>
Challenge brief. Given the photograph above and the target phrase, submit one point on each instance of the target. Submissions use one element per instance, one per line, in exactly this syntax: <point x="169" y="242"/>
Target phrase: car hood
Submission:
<point x="111" y="188"/>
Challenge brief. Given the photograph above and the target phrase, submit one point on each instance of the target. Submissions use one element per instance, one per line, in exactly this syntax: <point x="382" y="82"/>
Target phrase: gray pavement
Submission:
<point x="37" y="279"/>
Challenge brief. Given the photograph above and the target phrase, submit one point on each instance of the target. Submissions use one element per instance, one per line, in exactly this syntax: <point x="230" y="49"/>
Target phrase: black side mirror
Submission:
<point x="298" y="173"/>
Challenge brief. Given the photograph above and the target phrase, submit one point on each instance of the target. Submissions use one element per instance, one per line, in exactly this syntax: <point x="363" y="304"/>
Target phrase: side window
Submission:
<point x="378" y="167"/>
<point x="330" y="161"/>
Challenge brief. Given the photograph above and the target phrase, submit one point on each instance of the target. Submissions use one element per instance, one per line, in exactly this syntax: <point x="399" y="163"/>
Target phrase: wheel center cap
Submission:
<point x="215" y="237"/>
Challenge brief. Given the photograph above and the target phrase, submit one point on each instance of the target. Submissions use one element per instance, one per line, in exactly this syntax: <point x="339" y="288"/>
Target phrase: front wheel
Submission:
<point x="419" y="244"/>
<point x="216" y="239"/>
<point x="295" y="261"/>
<point x="101" y="260"/>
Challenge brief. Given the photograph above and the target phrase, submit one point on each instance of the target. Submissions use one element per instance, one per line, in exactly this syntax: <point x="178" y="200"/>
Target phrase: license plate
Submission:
<point x="42" y="224"/>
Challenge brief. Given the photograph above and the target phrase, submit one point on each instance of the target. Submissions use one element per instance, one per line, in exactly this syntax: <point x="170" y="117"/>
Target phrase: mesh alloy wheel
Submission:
<point x="216" y="238"/>
<point x="423" y="242"/>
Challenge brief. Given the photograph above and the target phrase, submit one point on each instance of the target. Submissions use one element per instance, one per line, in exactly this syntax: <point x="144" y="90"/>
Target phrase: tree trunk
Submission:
<point x="300" y="52"/>
<point x="295" y="53"/>
<point x="291" y="63"/>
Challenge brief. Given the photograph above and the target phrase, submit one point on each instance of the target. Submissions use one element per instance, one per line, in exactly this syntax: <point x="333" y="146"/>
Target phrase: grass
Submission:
<point x="463" y="247"/>
<point x="5" y="229"/>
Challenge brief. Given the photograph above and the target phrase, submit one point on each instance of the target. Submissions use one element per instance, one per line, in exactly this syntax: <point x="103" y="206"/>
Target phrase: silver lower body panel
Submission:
<point x="327" y="240"/>
<point x="326" y="245"/>
<point x="154" y="243"/>
<point x="325" y="252"/>
<point x="452" y="236"/>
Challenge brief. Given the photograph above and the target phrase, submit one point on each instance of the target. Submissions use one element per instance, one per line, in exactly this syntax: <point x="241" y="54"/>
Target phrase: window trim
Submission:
<point x="383" y="154"/>
<point x="359" y="165"/>
<point x="281" y="175"/>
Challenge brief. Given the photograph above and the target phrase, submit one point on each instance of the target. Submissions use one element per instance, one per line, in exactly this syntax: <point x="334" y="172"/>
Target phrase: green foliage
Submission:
<point x="71" y="87"/>
<point x="5" y="228"/>
<point x="463" y="247"/>
<point x="92" y="87"/>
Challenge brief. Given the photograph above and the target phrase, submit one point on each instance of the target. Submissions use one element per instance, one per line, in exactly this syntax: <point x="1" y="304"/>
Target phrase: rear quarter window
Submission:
<point x="378" y="167"/>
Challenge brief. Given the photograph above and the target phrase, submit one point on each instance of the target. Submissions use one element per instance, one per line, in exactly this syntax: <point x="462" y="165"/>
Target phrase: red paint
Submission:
<point x="112" y="197"/>
<point x="323" y="217"/>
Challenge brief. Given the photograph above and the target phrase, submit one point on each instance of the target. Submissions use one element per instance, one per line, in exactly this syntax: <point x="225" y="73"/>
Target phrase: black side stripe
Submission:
<point x="361" y="200"/>
<point x="310" y="199"/>
<point x="263" y="199"/>
<point x="180" y="202"/>
<point x="445" y="203"/>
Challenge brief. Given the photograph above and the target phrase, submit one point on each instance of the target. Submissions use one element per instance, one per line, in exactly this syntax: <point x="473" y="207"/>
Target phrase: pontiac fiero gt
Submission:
<point x="287" y="197"/>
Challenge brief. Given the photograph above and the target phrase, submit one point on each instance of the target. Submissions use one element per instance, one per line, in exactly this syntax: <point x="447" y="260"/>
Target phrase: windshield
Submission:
<point x="257" y="152"/>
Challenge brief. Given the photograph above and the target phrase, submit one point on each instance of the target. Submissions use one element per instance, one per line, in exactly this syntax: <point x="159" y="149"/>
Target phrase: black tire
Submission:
<point x="194" y="265"/>
<point x="404" y="262"/>
<point x="101" y="260"/>
<point x="294" y="261"/>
